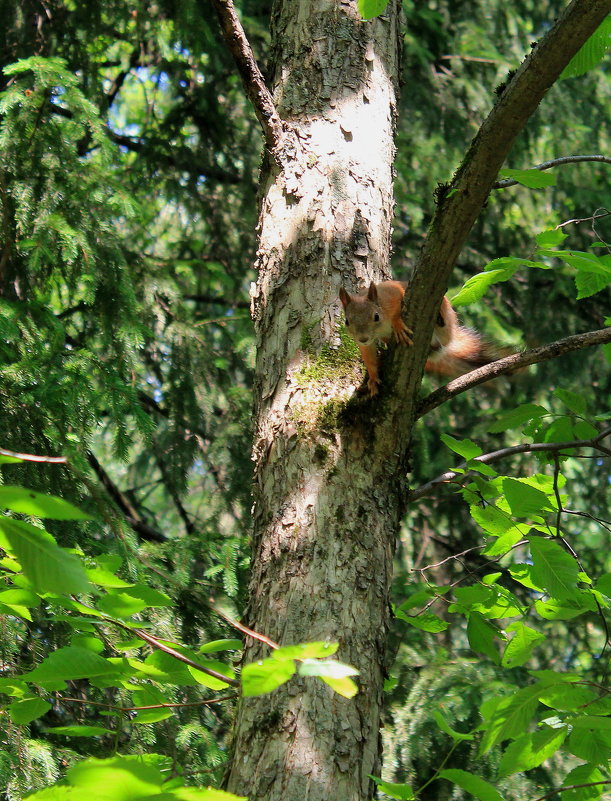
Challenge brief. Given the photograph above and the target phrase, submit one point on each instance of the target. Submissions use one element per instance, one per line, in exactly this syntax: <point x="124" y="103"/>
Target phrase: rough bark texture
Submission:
<point x="324" y="531"/>
<point x="329" y="479"/>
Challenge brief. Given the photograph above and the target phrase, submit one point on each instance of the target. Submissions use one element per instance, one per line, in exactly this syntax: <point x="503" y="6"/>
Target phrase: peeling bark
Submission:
<point x="330" y="470"/>
<point x="323" y="533"/>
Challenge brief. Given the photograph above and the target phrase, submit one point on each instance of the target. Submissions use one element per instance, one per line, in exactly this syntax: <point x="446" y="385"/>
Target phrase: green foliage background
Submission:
<point x="128" y="172"/>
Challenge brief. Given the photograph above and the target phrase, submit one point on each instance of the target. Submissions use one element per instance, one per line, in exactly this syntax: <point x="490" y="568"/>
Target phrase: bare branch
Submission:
<point x="252" y="78"/>
<point x="31" y="457"/>
<point x="509" y="364"/>
<point x="161" y="645"/>
<point x="493" y="456"/>
<point x="598" y="214"/>
<point x="571" y="787"/>
<point x="121" y="500"/>
<point x="546" y="165"/>
<point x="217" y="299"/>
<point x="241" y="627"/>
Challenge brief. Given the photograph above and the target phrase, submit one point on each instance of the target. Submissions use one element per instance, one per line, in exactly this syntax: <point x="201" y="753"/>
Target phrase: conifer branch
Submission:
<point x="546" y="165"/>
<point x="509" y="364"/>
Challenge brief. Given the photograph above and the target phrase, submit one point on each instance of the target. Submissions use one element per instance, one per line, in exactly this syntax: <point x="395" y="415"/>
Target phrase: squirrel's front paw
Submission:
<point x="372" y="386"/>
<point x="403" y="333"/>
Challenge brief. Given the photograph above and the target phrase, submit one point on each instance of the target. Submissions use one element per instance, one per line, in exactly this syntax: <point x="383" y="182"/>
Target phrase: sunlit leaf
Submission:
<point x="49" y="567"/>
<point x="28" y="502"/>
<point x="266" y="675"/>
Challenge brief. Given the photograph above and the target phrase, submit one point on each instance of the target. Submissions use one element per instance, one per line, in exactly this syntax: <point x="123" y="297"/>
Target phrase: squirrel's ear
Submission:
<point x="344" y="297"/>
<point x="372" y="293"/>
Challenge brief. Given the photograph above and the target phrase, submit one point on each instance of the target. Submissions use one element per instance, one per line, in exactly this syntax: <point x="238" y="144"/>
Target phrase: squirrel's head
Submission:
<point x="364" y="319"/>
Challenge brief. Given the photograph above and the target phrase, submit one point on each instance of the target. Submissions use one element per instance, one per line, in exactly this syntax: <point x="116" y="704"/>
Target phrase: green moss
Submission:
<point x="331" y="362"/>
<point x="322" y="417"/>
<point x="328" y="415"/>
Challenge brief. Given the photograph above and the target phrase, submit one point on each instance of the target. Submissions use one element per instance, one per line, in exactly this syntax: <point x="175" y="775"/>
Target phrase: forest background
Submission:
<point x="130" y="159"/>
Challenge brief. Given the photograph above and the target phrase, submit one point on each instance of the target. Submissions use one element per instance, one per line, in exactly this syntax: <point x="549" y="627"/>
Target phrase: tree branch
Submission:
<point x="32" y="457"/>
<point x="252" y="78"/>
<point x="460" y="203"/>
<point x="509" y="364"/>
<point x="215" y="299"/>
<point x="121" y="500"/>
<point x="546" y="165"/>
<point x="493" y="456"/>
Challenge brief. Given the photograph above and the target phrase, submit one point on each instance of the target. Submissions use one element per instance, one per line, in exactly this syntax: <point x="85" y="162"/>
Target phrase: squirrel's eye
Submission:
<point x="376" y="318"/>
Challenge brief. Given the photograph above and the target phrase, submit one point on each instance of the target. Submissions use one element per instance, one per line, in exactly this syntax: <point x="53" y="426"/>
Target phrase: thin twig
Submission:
<point x="571" y="787"/>
<point x="244" y="629"/>
<point x="546" y="165"/>
<point x="592" y="218"/>
<point x="509" y="364"/>
<point x="252" y="77"/>
<point x="123" y="709"/>
<point x="486" y="458"/>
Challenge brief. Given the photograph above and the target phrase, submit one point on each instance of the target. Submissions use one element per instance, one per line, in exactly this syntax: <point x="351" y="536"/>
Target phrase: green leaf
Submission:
<point x="148" y="595"/>
<point x="482" y="636"/>
<point x="121" y="605"/>
<point x="28" y="502"/>
<point x="25" y="710"/>
<point x="475" y="287"/>
<point x="80" y="731"/>
<point x="105" y="578"/>
<point x="221" y="645"/>
<point x="473" y="784"/>
<point x="308" y="650"/>
<point x="463" y="447"/>
<point x="457" y="736"/>
<point x="573" y="400"/>
<point x="589" y="55"/>
<point x="342" y="686"/>
<point x="49" y="567"/>
<point x="531" y="750"/>
<point x="566" y="609"/>
<point x="427" y="621"/>
<point x="371" y="8"/>
<point x="554" y="569"/>
<point x="326" y="667"/>
<point x="603" y="584"/>
<point x="524" y="500"/>
<point x="403" y="792"/>
<point x="533" y="179"/>
<point x="69" y="663"/>
<point x="266" y="675"/>
<point x="203" y="794"/>
<point x="149" y="696"/>
<point x="588" y="284"/>
<point x="567" y="698"/>
<point x="583" y="775"/>
<point x="551" y="237"/>
<point x="515" y="417"/>
<point x="510" y="716"/>
<point x="117" y="778"/>
<point x="591" y="745"/>
<point x="519" y="649"/>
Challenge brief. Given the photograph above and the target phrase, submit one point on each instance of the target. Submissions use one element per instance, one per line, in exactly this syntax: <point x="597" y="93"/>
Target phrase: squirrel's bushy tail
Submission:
<point x="465" y="352"/>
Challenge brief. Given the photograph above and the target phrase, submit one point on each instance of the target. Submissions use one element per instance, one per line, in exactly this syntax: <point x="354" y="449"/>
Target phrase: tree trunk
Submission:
<point x="324" y="526"/>
<point x="329" y="476"/>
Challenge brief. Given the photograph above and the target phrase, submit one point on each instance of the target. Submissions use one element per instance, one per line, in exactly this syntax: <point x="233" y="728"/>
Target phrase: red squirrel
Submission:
<point x="375" y="314"/>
